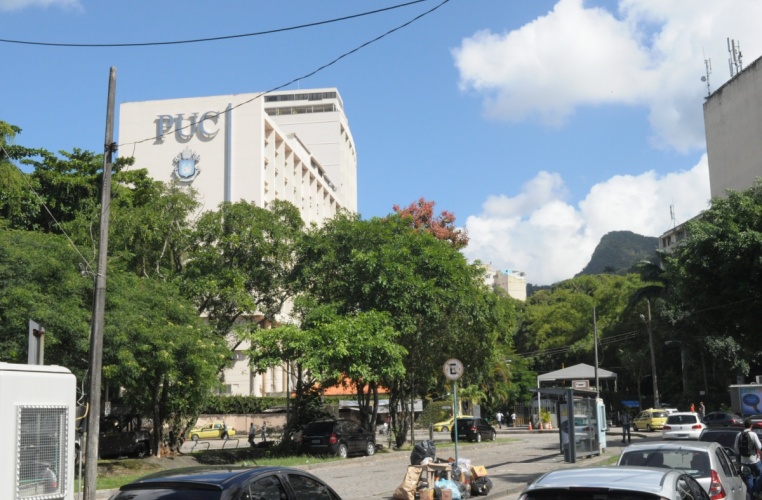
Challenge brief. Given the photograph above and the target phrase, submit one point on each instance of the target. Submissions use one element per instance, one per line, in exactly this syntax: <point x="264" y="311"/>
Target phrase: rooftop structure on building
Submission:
<point x="514" y="283"/>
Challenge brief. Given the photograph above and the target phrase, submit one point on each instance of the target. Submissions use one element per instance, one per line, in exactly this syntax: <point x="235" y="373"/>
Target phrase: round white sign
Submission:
<point x="453" y="369"/>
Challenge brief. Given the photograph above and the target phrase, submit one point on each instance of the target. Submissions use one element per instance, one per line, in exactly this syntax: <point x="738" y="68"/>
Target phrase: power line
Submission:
<point x="84" y="267"/>
<point x="305" y="76"/>
<point x="212" y="39"/>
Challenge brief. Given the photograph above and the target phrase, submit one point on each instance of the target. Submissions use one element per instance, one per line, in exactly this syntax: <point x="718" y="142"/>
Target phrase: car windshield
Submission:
<point x="589" y="494"/>
<point x="167" y="494"/>
<point x="319" y="428"/>
<point x="682" y="419"/>
<point x="695" y="463"/>
<point x="725" y="438"/>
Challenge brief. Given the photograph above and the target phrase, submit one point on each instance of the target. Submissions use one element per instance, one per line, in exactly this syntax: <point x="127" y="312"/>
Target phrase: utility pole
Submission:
<point x="99" y="304"/>
<point x="653" y="356"/>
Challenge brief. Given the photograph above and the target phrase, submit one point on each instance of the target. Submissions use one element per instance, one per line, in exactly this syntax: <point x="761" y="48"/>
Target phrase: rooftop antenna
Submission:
<point x="735" y="61"/>
<point x="705" y="78"/>
<point x="672" y="215"/>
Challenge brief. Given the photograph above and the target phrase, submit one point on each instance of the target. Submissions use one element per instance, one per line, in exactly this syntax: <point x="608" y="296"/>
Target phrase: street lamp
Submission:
<point x="653" y="357"/>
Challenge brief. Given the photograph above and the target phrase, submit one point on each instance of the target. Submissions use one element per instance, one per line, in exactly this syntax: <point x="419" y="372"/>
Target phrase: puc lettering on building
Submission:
<point x="184" y="132"/>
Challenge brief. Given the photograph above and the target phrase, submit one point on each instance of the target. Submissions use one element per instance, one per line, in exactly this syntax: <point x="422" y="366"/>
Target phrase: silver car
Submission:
<point x="615" y="483"/>
<point x="708" y="463"/>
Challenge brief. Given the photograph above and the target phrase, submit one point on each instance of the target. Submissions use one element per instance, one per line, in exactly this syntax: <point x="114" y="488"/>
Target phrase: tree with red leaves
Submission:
<point x="421" y="214"/>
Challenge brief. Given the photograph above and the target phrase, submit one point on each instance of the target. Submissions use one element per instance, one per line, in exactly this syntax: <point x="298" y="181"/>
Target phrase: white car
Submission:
<point x="615" y="483"/>
<point x="683" y="425"/>
<point x="708" y="463"/>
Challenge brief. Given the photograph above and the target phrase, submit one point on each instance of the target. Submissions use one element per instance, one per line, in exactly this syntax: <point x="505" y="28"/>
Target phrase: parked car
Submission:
<point x="722" y="419"/>
<point x="614" y="483"/>
<point x="338" y="437"/>
<point x="649" y="420"/>
<point x="707" y="462"/>
<point x="474" y="429"/>
<point x="756" y="422"/>
<point x="446" y="425"/>
<point x="683" y="425"/>
<point x="227" y="483"/>
<point x="215" y="430"/>
<point x="123" y="435"/>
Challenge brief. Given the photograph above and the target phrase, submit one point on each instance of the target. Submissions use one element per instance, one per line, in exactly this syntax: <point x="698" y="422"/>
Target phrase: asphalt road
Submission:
<point x="512" y="462"/>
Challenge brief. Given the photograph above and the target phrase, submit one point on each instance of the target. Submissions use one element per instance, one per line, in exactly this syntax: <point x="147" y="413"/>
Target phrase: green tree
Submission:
<point x="160" y="352"/>
<point x="435" y="299"/>
<point x="18" y="204"/>
<point x="717" y="278"/>
<point x="243" y="262"/>
<point x="40" y="280"/>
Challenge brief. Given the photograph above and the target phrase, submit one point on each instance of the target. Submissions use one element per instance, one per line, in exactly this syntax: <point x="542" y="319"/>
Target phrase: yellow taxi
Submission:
<point x="210" y="431"/>
<point x="446" y="425"/>
<point x="649" y="420"/>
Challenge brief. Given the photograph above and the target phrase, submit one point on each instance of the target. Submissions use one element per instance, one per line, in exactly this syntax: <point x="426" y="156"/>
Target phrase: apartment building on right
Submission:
<point x="733" y="128"/>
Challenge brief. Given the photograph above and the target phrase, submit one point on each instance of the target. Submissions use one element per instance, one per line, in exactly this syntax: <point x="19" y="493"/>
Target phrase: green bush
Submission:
<point x="433" y="412"/>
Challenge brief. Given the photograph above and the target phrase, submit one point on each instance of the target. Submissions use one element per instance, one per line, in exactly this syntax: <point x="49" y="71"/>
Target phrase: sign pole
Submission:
<point x="453" y="370"/>
<point x="455" y="416"/>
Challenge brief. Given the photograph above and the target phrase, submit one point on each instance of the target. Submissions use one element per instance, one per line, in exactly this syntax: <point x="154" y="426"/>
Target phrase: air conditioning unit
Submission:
<point x="758" y="379"/>
<point x="581" y="384"/>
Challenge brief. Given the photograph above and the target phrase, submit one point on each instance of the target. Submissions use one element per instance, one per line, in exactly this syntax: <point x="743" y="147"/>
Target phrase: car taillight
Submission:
<point x="666" y="428"/>
<point x="696" y="426"/>
<point x="473" y="428"/>
<point x="716" y="491"/>
<point x="333" y="439"/>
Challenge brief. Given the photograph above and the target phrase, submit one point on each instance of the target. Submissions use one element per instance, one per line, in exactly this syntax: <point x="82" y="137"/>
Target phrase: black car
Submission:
<point x="726" y="437"/>
<point x="227" y="483"/>
<point x="473" y="429"/>
<point x="722" y="419"/>
<point x="123" y="435"/>
<point x="337" y="437"/>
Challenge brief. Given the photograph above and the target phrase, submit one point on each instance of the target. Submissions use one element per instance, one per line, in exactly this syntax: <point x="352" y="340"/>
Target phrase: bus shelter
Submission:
<point x="581" y="418"/>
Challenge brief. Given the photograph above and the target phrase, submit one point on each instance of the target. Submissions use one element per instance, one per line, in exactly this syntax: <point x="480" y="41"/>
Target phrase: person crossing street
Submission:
<point x="626" y="427"/>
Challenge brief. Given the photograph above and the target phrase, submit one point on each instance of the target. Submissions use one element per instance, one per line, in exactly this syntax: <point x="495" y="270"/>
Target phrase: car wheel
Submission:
<point x="493" y="436"/>
<point x="342" y="451"/>
<point x="648" y="428"/>
<point x="370" y="448"/>
<point x="194" y="437"/>
<point x="445" y="429"/>
<point x="141" y="450"/>
<point x="478" y="437"/>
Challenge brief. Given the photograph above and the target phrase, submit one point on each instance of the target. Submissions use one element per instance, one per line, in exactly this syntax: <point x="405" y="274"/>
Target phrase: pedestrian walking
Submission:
<point x="693" y="408"/>
<point x="626" y="427"/>
<point x="702" y="409"/>
<point x="499" y="418"/>
<point x="513" y="419"/>
<point x="252" y="433"/>
<point x="264" y="431"/>
<point x="748" y="446"/>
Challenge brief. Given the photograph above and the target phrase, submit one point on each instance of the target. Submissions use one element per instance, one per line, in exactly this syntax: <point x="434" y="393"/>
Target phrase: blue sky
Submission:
<point x="542" y="125"/>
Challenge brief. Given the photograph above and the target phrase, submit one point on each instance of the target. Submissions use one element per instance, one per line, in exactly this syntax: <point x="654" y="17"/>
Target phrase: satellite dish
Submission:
<point x="703" y="78"/>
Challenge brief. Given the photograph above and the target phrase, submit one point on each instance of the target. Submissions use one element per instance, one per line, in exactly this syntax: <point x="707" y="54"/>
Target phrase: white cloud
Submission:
<point x="649" y="53"/>
<point x="10" y="5"/>
<point x="550" y="240"/>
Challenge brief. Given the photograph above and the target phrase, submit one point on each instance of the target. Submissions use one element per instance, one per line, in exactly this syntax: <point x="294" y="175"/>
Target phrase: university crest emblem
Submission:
<point x="186" y="165"/>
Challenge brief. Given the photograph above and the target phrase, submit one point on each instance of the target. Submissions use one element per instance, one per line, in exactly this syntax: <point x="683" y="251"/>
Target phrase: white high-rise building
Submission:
<point x="293" y="146"/>
<point x="287" y="145"/>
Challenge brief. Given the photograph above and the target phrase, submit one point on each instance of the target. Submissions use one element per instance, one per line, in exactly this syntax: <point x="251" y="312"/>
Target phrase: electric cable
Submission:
<point x="303" y="77"/>
<point x="211" y="39"/>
